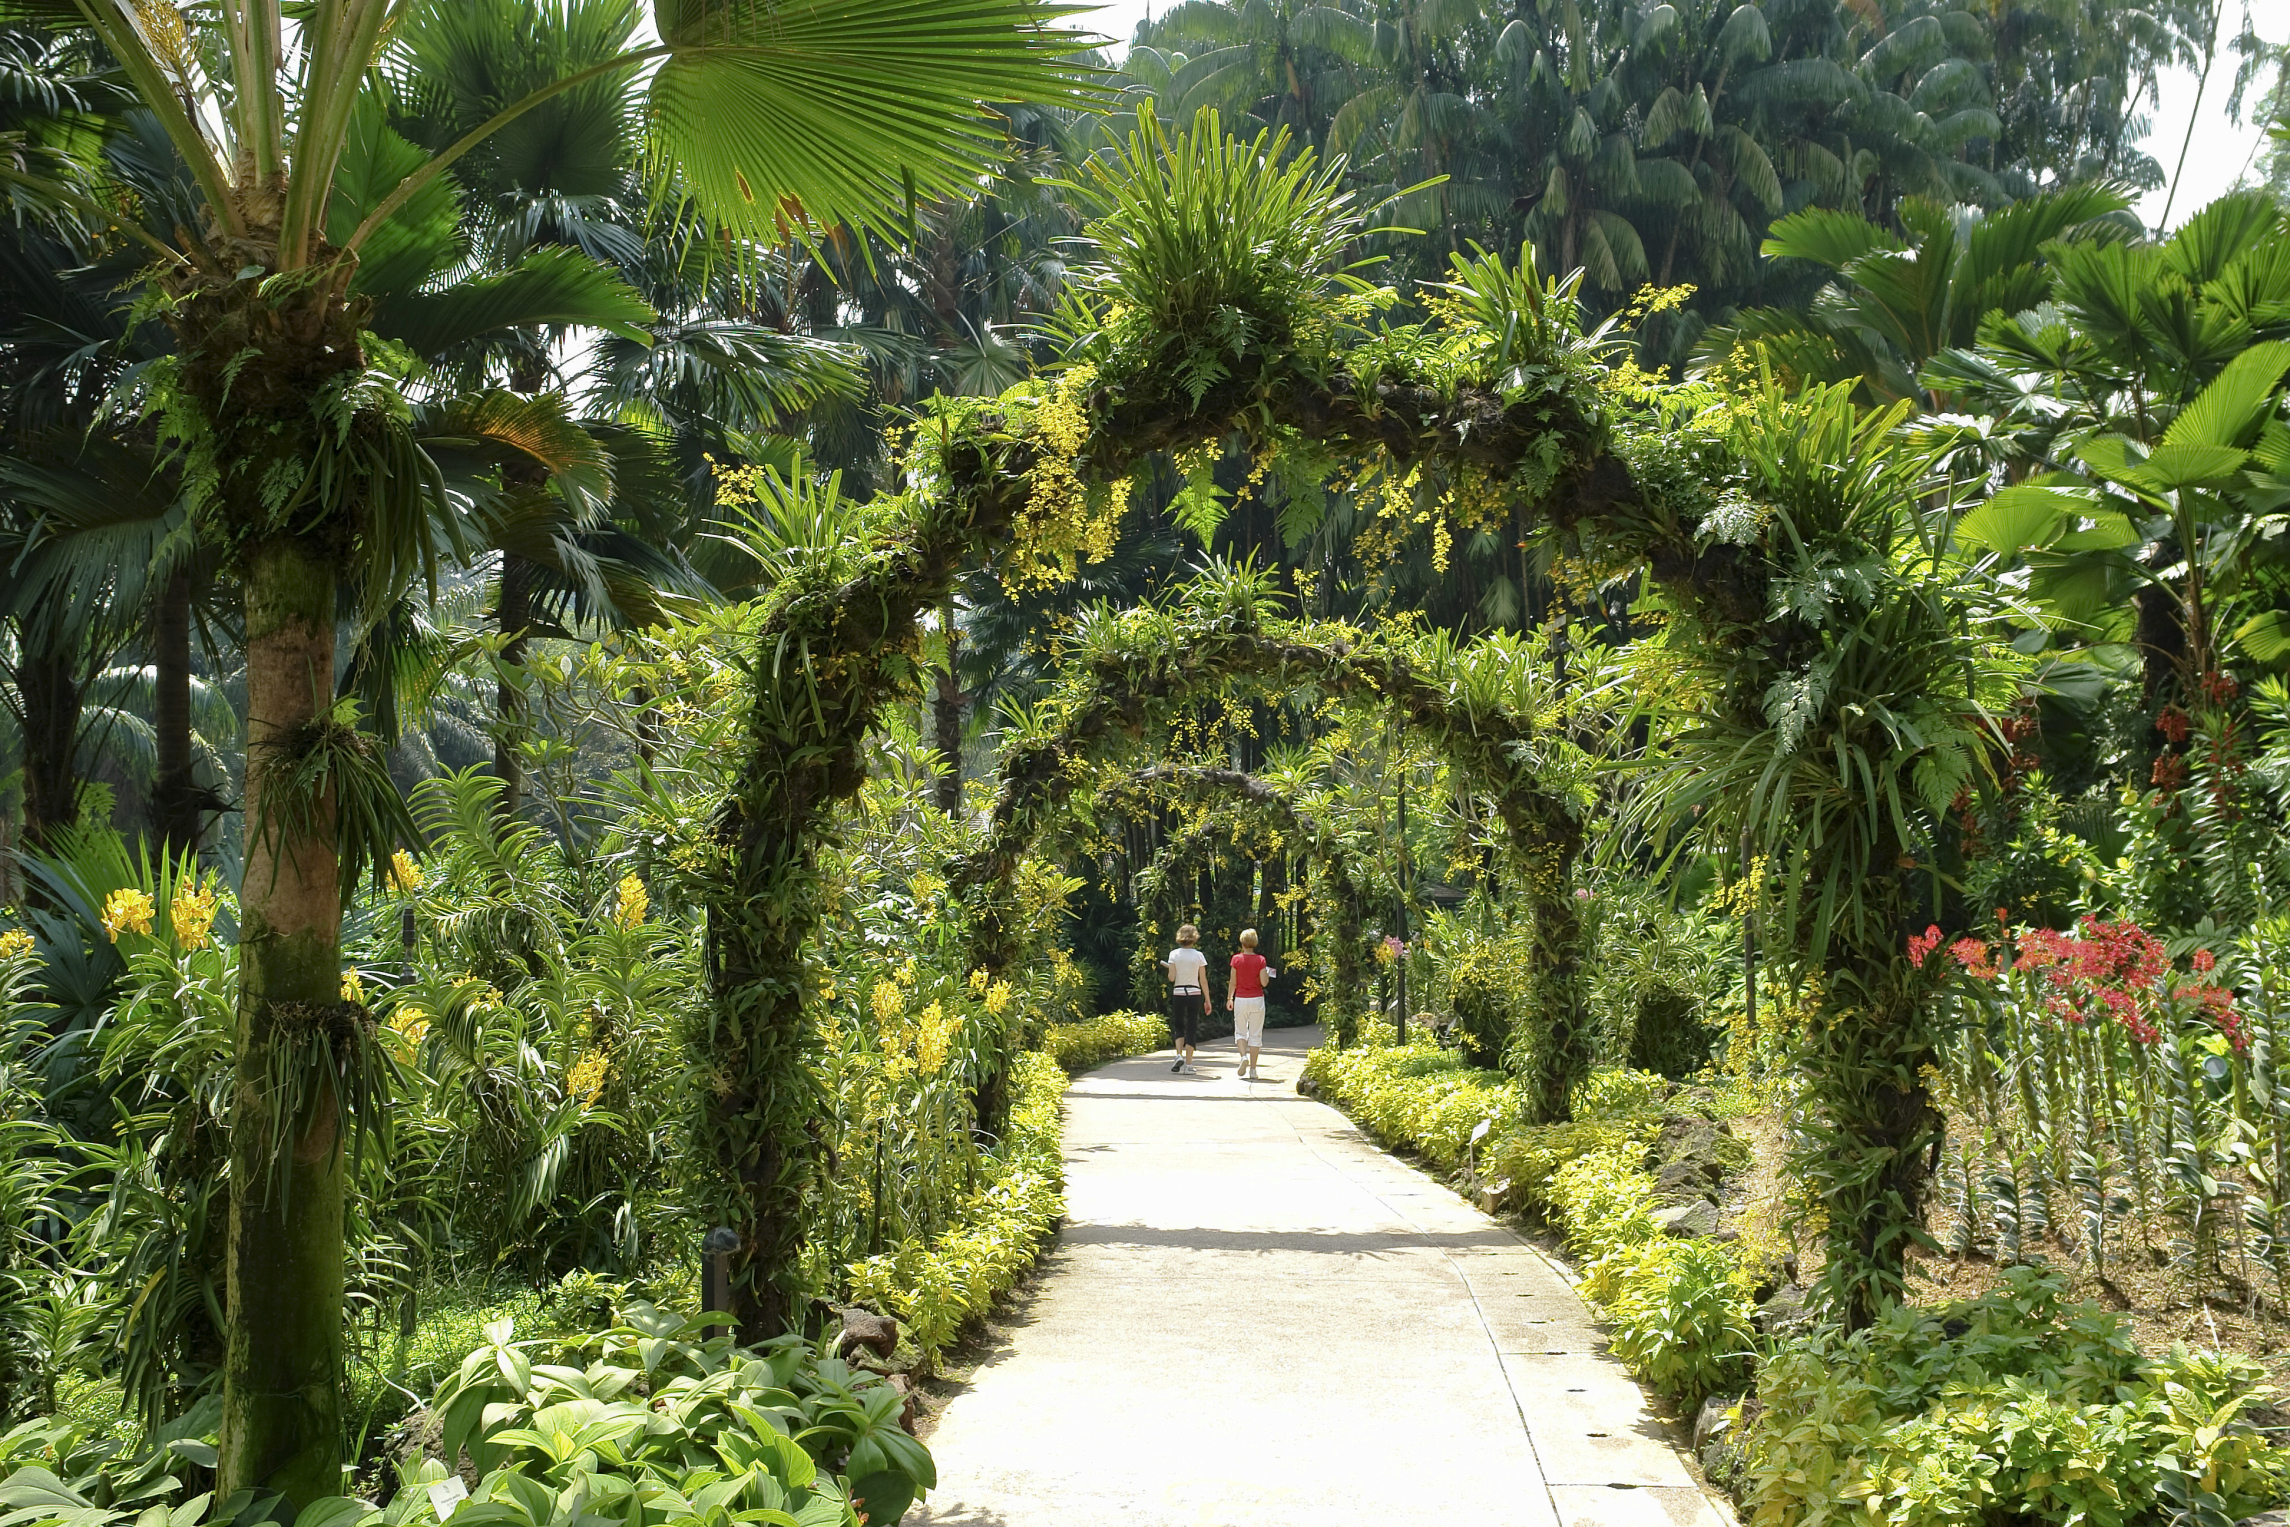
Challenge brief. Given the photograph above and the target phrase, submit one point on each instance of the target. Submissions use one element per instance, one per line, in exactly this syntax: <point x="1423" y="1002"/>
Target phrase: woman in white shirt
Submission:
<point x="1188" y="972"/>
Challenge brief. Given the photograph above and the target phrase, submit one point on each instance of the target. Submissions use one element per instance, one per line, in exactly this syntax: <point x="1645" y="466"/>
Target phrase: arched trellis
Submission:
<point x="1475" y="706"/>
<point x="1186" y="342"/>
<point x="839" y="637"/>
<point x="1262" y="803"/>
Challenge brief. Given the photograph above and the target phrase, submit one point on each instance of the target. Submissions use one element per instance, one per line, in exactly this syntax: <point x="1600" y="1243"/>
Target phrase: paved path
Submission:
<point x="1256" y="1317"/>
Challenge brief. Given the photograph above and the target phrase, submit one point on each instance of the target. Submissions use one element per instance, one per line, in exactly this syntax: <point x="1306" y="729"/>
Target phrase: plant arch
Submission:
<point x="1027" y="480"/>
<point x="1475" y="705"/>
<point x="1216" y="313"/>
<point x="1248" y="804"/>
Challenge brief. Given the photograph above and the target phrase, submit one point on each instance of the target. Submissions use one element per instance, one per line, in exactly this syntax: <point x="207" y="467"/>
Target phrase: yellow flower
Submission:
<point x="978" y="983"/>
<point x="130" y="909"/>
<point x="888" y="1001"/>
<point x="586" y="1079"/>
<point x="998" y="998"/>
<point x="934" y="1031"/>
<point x="412" y="1022"/>
<point x="15" y="942"/>
<point x="405" y="875"/>
<point x="352" y="991"/>
<point x="192" y="914"/>
<point x="904" y="975"/>
<point x="635" y="901"/>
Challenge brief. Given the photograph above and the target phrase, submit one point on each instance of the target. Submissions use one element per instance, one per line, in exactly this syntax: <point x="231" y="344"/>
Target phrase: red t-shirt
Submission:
<point x="1247" y="974"/>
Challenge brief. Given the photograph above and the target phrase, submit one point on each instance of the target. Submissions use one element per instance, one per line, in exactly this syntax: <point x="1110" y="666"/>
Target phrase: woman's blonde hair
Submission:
<point x="1248" y="938"/>
<point x="1188" y="934"/>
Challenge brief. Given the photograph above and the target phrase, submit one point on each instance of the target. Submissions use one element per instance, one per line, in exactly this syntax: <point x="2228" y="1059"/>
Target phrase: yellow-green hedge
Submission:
<point x="1091" y="1043"/>
<point x="1680" y="1309"/>
<point x="937" y="1287"/>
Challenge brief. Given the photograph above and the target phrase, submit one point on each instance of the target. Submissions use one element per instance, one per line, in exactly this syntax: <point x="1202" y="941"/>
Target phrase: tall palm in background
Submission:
<point x="299" y="450"/>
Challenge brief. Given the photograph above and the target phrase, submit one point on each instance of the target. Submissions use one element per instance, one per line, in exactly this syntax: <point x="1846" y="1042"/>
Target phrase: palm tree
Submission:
<point x="1897" y="303"/>
<point x="301" y="461"/>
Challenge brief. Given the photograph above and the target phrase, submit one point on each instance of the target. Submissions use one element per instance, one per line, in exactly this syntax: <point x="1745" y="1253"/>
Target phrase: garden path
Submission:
<point x="1254" y="1318"/>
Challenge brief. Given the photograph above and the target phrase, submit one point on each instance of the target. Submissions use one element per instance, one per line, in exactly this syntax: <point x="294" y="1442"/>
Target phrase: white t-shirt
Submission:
<point x="1186" y="967"/>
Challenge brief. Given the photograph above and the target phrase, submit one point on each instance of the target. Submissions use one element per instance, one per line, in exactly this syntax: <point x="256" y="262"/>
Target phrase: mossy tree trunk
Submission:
<point x="256" y="362"/>
<point x="175" y="794"/>
<point x="282" y="1420"/>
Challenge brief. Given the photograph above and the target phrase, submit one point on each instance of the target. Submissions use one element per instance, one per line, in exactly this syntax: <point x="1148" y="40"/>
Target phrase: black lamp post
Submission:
<point x="716" y="1273"/>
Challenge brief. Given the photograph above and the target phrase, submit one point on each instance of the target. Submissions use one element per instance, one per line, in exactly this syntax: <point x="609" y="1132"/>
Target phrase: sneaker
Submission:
<point x="1179" y="1066"/>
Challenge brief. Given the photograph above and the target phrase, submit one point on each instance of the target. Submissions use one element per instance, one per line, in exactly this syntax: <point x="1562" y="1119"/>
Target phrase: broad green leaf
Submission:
<point x="2019" y="516"/>
<point x="2265" y="636"/>
<point x="335" y="1511"/>
<point x="2238" y="398"/>
<point x="777" y="119"/>
<point x="2174" y="467"/>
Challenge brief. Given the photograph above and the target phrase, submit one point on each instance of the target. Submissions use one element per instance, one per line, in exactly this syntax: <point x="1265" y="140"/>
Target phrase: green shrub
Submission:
<point x="1092" y="1042"/>
<point x="1680" y="1309"/>
<point x="1681" y="1316"/>
<point x="1620" y="1094"/>
<point x="386" y="1377"/>
<point x="936" y="1287"/>
<point x="643" y="1422"/>
<point x="2016" y="1407"/>
<point x="1484" y="990"/>
<point x="1416" y="1096"/>
<point x="1527" y="1159"/>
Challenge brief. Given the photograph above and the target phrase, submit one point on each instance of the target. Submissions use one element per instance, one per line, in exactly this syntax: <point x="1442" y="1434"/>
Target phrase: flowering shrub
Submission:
<point x="1085" y="1046"/>
<point x="938" y="1286"/>
<point x="2114" y="972"/>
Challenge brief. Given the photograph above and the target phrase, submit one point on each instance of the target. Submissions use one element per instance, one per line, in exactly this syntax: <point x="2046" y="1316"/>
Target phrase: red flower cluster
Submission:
<point x="2169" y="773"/>
<point x="2109" y="970"/>
<point x="1978" y="960"/>
<point x="2175" y="724"/>
<point x="2220" y="688"/>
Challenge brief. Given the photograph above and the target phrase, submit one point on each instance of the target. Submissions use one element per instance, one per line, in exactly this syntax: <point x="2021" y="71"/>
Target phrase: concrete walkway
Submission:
<point x="1256" y="1317"/>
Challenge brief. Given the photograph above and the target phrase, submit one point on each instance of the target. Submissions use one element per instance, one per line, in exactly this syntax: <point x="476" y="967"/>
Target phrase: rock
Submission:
<point x="1491" y="1195"/>
<point x="1689" y="1220"/>
<point x="1306" y="1087"/>
<point x="879" y="1334"/>
<point x="1713" y="1421"/>
<point x="1787" y="1311"/>
<point x="910" y="1410"/>
<point x="1679" y="1181"/>
<point x="2266" y="1519"/>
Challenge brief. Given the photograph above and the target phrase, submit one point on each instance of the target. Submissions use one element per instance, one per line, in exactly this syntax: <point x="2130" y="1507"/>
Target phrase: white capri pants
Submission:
<point x="1248" y="1022"/>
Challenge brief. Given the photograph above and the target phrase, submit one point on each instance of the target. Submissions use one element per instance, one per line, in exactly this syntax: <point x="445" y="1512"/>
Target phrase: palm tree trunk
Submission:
<point x="174" y="797"/>
<point x="514" y="615"/>
<point x="49" y="691"/>
<point x="281" y="1427"/>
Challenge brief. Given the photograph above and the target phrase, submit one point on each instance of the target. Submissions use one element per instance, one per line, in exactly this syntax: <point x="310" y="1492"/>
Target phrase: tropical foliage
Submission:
<point x="622" y="637"/>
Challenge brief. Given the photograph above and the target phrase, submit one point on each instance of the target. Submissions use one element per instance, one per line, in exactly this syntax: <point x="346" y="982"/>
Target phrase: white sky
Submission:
<point x="2216" y="158"/>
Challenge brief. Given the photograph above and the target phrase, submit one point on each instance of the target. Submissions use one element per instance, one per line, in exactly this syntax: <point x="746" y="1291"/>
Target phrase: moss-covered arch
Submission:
<point x="1240" y="802"/>
<point x="1475" y="705"/>
<point x="1009" y="480"/>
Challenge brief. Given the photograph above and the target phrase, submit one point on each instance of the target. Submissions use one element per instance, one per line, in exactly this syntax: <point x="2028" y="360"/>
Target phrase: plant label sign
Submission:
<point x="447" y="1495"/>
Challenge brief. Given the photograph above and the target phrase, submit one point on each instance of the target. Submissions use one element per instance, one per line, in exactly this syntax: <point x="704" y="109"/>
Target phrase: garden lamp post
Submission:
<point x="1399" y="966"/>
<point x="716" y="1272"/>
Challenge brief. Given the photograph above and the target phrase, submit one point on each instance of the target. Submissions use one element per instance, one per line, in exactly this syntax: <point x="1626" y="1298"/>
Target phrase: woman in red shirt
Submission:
<point x="1246" y="999"/>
